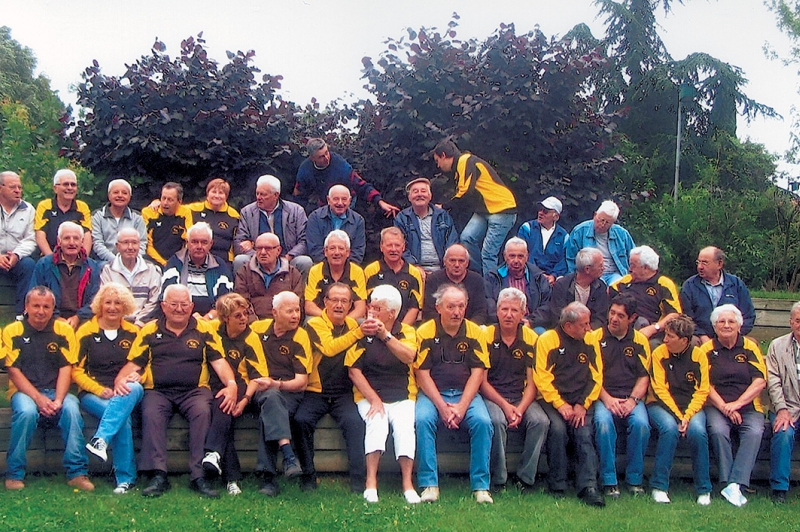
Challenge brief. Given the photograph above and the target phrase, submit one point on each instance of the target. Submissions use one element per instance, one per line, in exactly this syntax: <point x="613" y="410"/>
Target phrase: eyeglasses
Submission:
<point x="338" y="301"/>
<point x="183" y="305"/>
<point x="266" y="248"/>
<point x="70" y="185"/>
<point x="705" y="262"/>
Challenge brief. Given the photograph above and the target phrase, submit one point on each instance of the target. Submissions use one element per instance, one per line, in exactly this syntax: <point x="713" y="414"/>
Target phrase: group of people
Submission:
<point x="209" y="312"/>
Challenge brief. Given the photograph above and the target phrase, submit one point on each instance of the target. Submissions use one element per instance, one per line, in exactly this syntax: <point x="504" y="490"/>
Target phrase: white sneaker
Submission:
<point x="122" y="488"/>
<point x="661" y="496"/>
<point x="411" y="497"/>
<point x="704" y="499"/>
<point x="733" y="494"/>
<point x="371" y="495"/>
<point x="430" y="494"/>
<point x="98" y="446"/>
<point x="211" y="463"/>
<point x="234" y="489"/>
<point x="483" y="496"/>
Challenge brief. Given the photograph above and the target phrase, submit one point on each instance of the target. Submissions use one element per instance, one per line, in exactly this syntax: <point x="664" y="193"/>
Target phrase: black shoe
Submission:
<point x="636" y="490"/>
<point x="611" y="492"/>
<point x="524" y="487"/>
<point x="779" y="496"/>
<point x="203" y="487"/>
<point x="270" y="488"/>
<point x="291" y="469"/>
<point x="308" y="483"/>
<point x="158" y="485"/>
<point x="591" y="497"/>
<point x="497" y="488"/>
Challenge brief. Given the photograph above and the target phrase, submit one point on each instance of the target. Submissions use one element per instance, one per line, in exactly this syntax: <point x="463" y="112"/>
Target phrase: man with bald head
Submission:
<point x="712" y="287"/>
<point x="267" y="274"/>
<point x="17" y="240"/>
<point x="337" y="214"/>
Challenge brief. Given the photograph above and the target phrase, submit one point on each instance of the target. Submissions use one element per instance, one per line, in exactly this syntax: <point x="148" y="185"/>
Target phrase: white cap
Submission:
<point x="552" y="203"/>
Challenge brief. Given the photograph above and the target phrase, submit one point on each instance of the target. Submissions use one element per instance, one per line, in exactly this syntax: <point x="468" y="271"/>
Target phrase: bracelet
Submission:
<point x="280" y="385"/>
<point x="635" y="399"/>
<point x="388" y="337"/>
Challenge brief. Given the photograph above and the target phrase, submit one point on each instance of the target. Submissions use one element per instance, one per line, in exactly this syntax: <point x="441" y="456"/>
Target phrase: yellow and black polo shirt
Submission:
<point x="450" y="359"/>
<point x="508" y="373"/>
<point x="408" y="281"/>
<point x="329" y="343"/>
<point x="625" y="360"/>
<point x="656" y="297"/>
<point x="49" y="217"/>
<point x="679" y="382"/>
<point x="475" y="178"/>
<point x="731" y="371"/>
<point x="286" y="355"/>
<point x="100" y="359"/>
<point x="224" y="224"/>
<point x="166" y="234"/>
<point x="319" y="278"/>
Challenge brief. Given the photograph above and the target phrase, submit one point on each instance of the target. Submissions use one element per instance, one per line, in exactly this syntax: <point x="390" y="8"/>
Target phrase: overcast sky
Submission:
<point x="318" y="45"/>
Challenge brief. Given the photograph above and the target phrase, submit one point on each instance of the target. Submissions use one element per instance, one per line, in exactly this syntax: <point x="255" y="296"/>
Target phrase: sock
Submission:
<point x="288" y="454"/>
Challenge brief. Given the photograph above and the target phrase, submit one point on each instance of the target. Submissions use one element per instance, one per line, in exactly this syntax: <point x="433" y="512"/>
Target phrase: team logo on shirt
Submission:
<point x="177" y="229"/>
<point x="380" y="277"/>
<point x="26" y="340"/>
<point x="52" y="347"/>
<point x="159" y="336"/>
<point x="741" y="358"/>
<point x="561" y="350"/>
<point x="517" y="353"/>
<point x="462" y="347"/>
<point x="370" y="339"/>
<point x="264" y="337"/>
<point x="234" y="354"/>
<point x="284" y="350"/>
<point x="651" y="291"/>
<point x="97" y="339"/>
<point x="192" y="343"/>
<point x="125" y="344"/>
<point x="158" y="224"/>
<point x="628" y="351"/>
<point x="583" y="358"/>
<point x="436" y="341"/>
<point x="53" y="213"/>
<point x="325" y="281"/>
<point x="203" y="215"/>
<point x="222" y="225"/>
<point x="690" y="377"/>
<point x="403" y="285"/>
<point x="496" y="345"/>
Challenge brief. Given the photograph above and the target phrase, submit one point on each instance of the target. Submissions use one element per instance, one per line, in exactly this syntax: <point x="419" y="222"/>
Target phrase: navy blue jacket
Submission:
<point x="320" y="223"/>
<point x="696" y="303"/>
<point x="46" y="273"/>
<point x="443" y="232"/>
<point x="553" y="259"/>
<point x="538" y="292"/>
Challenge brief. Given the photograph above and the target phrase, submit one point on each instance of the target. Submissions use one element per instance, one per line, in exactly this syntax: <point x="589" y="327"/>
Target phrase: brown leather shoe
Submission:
<point x="81" y="482"/>
<point x="14" y="484"/>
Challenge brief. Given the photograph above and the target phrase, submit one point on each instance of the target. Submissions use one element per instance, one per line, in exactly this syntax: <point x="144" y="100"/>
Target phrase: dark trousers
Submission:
<point x="345" y="413"/>
<point x="585" y="454"/>
<point x="157" y="411"/>
<point x="220" y="439"/>
<point x="274" y="408"/>
<point x="20" y="275"/>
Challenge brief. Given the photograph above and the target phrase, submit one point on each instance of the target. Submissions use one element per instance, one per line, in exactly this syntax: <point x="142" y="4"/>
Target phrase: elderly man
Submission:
<point x="584" y="286"/>
<point x="17" y="239"/>
<point x="73" y="277"/>
<point x="569" y="376"/>
<point x="509" y="390"/>
<point x="602" y="232"/>
<point x="395" y="271"/>
<point x="481" y="191"/>
<point x="129" y="269"/>
<point x="174" y="353"/>
<point x="656" y="294"/>
<point x="52" y="212"/>
<point x="336" y="268"/>
<point x="323" y="169"/>
<point x="39" y="353"/>
<point x="783" y="383"/>
<point x="206" y="275"/>
<point x="108" y="220"/>
<point x="429" y="230"/>
<point x="546" y="239"/>
<point x="456" y="271"/>
<point x="330" y="390"/>
<point x="517" y="273"/>
<point x="166" y="224"/>
<point x="712" y="287"/>
<point x="626" y="361"/>
<point x="266" y="274"/>
<point x="450" y="367"/>
<point x="270" y="214"/>
<point x="336" y="215"/>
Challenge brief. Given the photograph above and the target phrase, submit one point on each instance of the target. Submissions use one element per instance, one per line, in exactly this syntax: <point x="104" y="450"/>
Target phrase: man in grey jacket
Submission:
<point x="115" y="215"/>
<point x="17" y="239"/>
<point x="271" y="214"/>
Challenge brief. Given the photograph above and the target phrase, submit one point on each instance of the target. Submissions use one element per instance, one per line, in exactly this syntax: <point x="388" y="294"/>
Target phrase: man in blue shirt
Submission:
<point x="546" y="239"/>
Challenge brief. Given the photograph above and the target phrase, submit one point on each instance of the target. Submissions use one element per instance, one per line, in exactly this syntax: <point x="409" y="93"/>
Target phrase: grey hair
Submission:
<point x="610" y="208"/>
<point x="573" y="312"/>
<point x="314" y="145"/>
<point x="130" y="230"/>
<point x="585" y="257"/>
<point x="64" y="172"/>
<point x="515" y="241"/>
<point x="462" y="246"/>
<point x="341" y="235"/>
<point x="438" y="296"/>
<point x="512" y="294"/>
<point x="715" y="314"/>
<point x="68" y="225"/>
<point x="388" y="294"/>
<point x="284" y="298"/>
<point x="119" y="182"/>
<point x="176" y="288"/>
<point x="40" y="290"/>
<point x="330" y="190"/>
<point x="4" y="175"/>
<point x="200" y="226"/>
<point x="795" y="308"/>
<point x="271" y="181"/>
<point x="647" y="257"/>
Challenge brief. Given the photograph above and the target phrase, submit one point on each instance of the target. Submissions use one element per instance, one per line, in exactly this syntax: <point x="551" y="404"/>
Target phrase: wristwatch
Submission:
<point x="656" y="326"/>
<point x="387" y="338"/>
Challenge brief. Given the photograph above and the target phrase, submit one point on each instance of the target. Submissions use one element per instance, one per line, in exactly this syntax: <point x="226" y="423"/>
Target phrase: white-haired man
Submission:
<point x="336" y="267"/>
<point x="603" y="233"/>
<point x="64" y="207"/>
<point x="107" y="221"/>
<point x="337" y="214"/>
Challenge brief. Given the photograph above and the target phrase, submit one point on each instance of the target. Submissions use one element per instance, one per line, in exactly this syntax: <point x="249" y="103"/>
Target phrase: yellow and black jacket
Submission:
<point x="568" y="371"/>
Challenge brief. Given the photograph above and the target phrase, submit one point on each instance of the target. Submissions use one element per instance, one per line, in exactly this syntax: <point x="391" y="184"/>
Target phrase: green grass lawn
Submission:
<point x="776" y="294"/>
<point x="48" y="503"/>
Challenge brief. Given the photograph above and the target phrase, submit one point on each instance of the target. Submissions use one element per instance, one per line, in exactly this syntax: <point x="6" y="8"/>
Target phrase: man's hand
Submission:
<point x="613" y="405"/>
<point x="246" y="245"/>
<point x="782" y="421"/>
<point x="626" y="406"/>
<point x="578" y="417"/>
<point x="240" y="406"/>
<point x="683" y="427"/>
<point x="47" y="407"/>
<point x="566" y="411"/>
<point x="550" y="279"/>
<point x="107" y="393"/>
<point x="448" y="416"/>
<point x="228" y="394"/>
<point x="388" y="209"/>
<point x="74" y="321"/>
<point x="265" y="383"/>
<point x="729" y="408"/>
<point x="376" y="409"/>
<point x="5" y="262"/>
<point x="735" y="417"/>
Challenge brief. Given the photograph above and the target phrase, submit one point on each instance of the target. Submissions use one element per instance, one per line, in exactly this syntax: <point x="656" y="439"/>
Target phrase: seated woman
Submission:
<point x="737" y="375"/>
<point x="223" y="219"/>
<point x="679" y="381"/>
<point x="385" y="389"/>
<point x="103" y="345"/>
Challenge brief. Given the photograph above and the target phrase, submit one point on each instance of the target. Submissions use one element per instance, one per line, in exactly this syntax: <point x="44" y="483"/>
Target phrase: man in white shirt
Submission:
<point x="17" y="238"/>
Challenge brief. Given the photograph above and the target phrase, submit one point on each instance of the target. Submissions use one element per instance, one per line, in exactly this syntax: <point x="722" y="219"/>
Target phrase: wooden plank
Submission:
<point x="777" y="305"/>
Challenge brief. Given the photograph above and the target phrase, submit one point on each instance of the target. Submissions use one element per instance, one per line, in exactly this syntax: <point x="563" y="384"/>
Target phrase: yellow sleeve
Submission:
<point x="359" y="281"/>
<point x="86" y="222"/>
<point x="463" y="180"/>
<point x="658" y="381"/>
<point x="329" y="345"/>
<point x="597" y="374"/>
<point x="701" y="390"/>
<point x="148" y="213"/>
<point x="673" y="302"/>
<point x="38" y="220"/>
<point x="543" y="374"/>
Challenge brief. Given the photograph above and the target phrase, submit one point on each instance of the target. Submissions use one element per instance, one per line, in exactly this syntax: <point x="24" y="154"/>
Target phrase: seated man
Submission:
<point x="602" y="232"/>
<point x="73" y="277"/>
<point x="206" y="275"/>
<point x="52" y="212"/>
<point x="175" y="352"/>
<point x="336" y="268"/>
<point x="166" y="225"/>
<point x="395" y="271"/>
<point x="266" y="274"/>
<point x="626" y="360"/>
<point x="17" y="239"/>
<point x="107" y="221"/>
<point x="429" y="230"/>
<point x="143" y="278"/>
<point x="517" y="273"/>
<point x="450" y="367"/>
<point x="39" y="353"/>
<point x="656" y="295"/>
<point x="569" y="376"/>
<point x="271" y="214"/>
<point x="509" y="390"/>
<point x="456" y="271"/>
<point x="330" y="390"/>
<point x="337" y="214"/>
<point x="546" y="239"/>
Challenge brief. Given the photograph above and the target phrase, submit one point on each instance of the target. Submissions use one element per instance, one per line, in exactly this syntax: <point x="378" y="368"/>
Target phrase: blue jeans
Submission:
<point x="115" y="427"/>
<point x="483" y="236"/>
<point x="780" y="463"/>
<point x="735" y="469"/>
<point x="480" y="440"/>
<point x="605" y="435"/>
<point x="667" y="426"/>
<point x="24" y="418"/>
<point x="20" y="275"/>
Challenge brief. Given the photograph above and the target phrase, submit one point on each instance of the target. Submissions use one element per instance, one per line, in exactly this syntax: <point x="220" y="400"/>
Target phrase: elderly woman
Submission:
<point x="385" y="390"/>
<point x="103" y="345"/>
<point x="223" y="219"/>
<point x="737" y="375"/>
<point x="679" y="380"/>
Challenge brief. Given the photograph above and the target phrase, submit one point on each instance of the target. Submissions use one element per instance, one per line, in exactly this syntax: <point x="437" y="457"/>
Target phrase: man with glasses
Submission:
<point x="17" y="239"/>
<point x="52" y="212"/>
<point x="336" y="268"/>
<point x="267" y="274"/>
<point x="450" y="367"/>
<point x="710" y="288"/>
